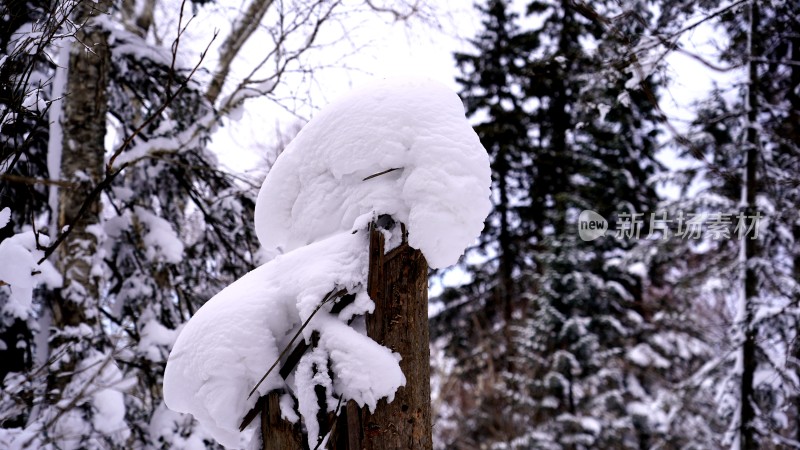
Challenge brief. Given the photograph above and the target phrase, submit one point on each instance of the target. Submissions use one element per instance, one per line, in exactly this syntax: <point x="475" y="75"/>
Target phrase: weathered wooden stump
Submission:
<point x="398" y="283"/>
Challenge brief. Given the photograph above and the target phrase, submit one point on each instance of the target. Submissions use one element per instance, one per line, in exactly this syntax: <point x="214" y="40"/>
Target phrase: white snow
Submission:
<point x="591" y="425"/>
<point x="160" y="239"/>
<point x="639" y="269"/>
<point x="56" y="137"/>
<point x="169" y="426"/>
<point x="5" y="216"/>
<point x="311" y="217"/>
<point x="233" y="339"/>
<point x="287" y="409"/>
<point x="98" y="376"/>
<point x="154" y="337"/>
<point x="20" y="278"/>
<point x="440" y="189"/>
<point x="110" y="406"/>
<point x="644" y="355"/>
<point x="130" y="44"/>
<point x="366" y="371"/>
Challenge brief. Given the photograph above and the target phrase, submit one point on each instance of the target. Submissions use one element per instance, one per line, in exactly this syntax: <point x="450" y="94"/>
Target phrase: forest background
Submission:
<point x="118" y="219"/>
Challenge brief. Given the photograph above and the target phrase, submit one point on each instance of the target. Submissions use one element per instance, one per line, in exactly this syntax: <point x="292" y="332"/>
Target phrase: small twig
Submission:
<point x="83" y="392"/>
<point x="192" y="167"/>
<point x="398" y="15"/>
<point x="170" y="98"/>
<point x="331" y="295"/>
<point x="81" y="212"/>
<point x="381" y="173"/>
<point x="589" y="13"/>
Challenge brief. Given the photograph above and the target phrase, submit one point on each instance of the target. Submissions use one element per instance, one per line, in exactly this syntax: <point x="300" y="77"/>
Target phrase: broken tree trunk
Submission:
<point x="398" y="284"/>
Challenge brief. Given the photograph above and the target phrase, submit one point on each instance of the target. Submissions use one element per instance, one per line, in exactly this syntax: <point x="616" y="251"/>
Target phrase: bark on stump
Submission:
<point x="398" y="283"/>
<point x="277" y="433"/>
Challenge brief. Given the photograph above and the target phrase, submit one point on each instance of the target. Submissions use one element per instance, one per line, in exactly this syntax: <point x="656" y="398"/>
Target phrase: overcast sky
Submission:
<point x="397" y="49"/>
<point x="386" y="49"/>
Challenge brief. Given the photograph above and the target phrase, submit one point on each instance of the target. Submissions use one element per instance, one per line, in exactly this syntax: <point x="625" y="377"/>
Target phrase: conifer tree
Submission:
<point x="493" y="80"/>
<point x="590" y="344"/>
<point x="122" y="223"/>
<point x="748" y="164"/>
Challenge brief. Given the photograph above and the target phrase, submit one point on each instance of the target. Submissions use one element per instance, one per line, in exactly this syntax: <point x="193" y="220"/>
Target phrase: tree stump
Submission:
<point x="398" y="283"/>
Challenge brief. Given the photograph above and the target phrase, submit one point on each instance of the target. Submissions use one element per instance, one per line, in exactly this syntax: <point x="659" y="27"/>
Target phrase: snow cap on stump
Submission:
<point x="398" y="147"/>
<point x="402" y="148"/>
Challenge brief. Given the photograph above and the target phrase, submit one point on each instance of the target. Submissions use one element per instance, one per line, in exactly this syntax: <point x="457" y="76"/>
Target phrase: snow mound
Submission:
<point x="397" y="147"/>
<point x="402" y="148"/>
<point x="229" y="344"/>
<point x="5" y="216"/>
<point x="20" y="278"/>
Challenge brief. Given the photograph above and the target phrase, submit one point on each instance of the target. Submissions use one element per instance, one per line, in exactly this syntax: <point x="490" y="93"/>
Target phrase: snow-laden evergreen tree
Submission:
<point x="486" y="307"/>
<point x="116" y="220"/>
<point x="143" y="243"/>
<point x="570" y="120"/>
<point x="745" y="147"/>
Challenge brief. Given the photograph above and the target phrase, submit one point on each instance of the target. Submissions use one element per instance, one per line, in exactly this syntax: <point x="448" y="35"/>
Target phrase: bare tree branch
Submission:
<point x="170" y="98"/>
<point x="111" y="172"/>
<point x="28" y="180"/>
<point x="240" y="33"/>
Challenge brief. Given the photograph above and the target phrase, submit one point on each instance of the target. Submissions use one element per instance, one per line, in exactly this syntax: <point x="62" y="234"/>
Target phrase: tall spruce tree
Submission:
<point x="747" y="155"/>
<point x="104" y="135"/>
<point x="589" y="346"/>
<point x="595" y="142"/>
<point x="477" y="318"/>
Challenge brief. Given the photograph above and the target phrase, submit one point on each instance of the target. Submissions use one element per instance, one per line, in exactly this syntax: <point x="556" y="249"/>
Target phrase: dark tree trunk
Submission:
<point x="747" y="431"/>
<point x="277" y="433"/>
